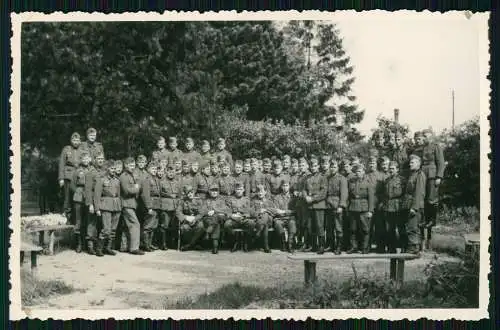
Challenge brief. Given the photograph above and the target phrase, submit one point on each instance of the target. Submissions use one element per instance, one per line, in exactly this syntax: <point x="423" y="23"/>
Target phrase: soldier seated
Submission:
<point x="262" y="211"/>
<point x="239" y="217"/>
<point x="189" y="213"/>
<point x="214" y="215"/>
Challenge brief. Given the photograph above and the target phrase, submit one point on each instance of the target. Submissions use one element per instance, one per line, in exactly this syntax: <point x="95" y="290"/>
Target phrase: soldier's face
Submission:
<point x="373" y="166"/>
<point x="206" y="170"/>
<point x="247" y="167"/>
<point x="286" y="163"/>
<point x="160" y="173"/>
<point x="303" y="167"/>
<point x="189" y="146"/>
<point x="255" y="166"/>
<point x="195" y="167"/>
<point x="360" y="172"/>
<point x="119" y="169"/>
<point x="347" y="168"/>
<point x="99" y="161"/>
<point x="392" y="141"/>
<point x="427" y="137"/>
<point x="393" y="170"/>
<point x="267" y="167"/>
<point x="385" y="165"/>
<point x="75" y="142"/>
<point x="226" y="170"/>
<point x="334" y="168"/>
<point x="325" y="166"/>
<point x="221" y="145"/>
<point x="91" y="137"/>
<point x="215" y="169"/>
<point x="111" y="170"/>
<point x="399" y="141"/>
<point x="160" y="144"/>
<point x="239" y="191"/>
<point x="178" y="164"/>
<point x="278" y="169"/>
<point x="170" y="174"/>
<point x="214" y="193"/>
<point x="285" y="187"/>
<point x="205" y="148"/>
<point x="295" y="167"/>
<point x="414" y="164"/>
<point x="261" y="193"/>
<point x="130" y="166"/>
<point x="314" y="167"/>
<point x="186" y="168"/>
<point x="190" y="194"/>
<point x="420" y="140"/>
<point x="381" y="141"/>
<point x="141" y="164"/>
<point x="86" y="160"/>
<point x="238" y="168"/>
<point x="153" y="170"/>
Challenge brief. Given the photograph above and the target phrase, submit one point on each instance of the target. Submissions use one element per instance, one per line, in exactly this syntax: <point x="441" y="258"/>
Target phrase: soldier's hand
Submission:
<point x="61" y="183"/>
<point x="339" y="210"/>
<point x="369" y="214"/>
<point x="412" y="212"/>
<point x="136" y="186"/>
<point x="308" y="199"/>
<point x="98" y="213"/>
<point x="296" y="193"/>
<point x="437" y="181"/>
<point x="91" y="208"/>
<point x="211" y="212"/>
<point x="150" y="211"/>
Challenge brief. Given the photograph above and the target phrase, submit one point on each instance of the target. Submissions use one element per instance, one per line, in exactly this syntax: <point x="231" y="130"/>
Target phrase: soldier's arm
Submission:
<point x="371" y="198"/>
<point x="97" y="194"/>
<point x="90" y="178"/>
<point x="419" y="197"/>
<point x="344" y="192"/>
<point x="72" y="185"/>
<point x="438" y="153"/>
<point x="127" y="187"/>
<point x="321" y="192"/>
<point x="202" y="211"/>
<point x="62" y="161"/>
<point x="146" y="194"/>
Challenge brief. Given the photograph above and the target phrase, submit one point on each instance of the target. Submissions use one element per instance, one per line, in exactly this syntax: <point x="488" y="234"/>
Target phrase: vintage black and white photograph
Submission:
<point x="245" y="163"/>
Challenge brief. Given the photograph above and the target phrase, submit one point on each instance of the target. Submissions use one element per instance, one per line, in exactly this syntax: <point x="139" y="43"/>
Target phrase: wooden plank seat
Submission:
<point x="33" y="249"/>
<point x="396" y="271"/>
<point x="51" y="230"/>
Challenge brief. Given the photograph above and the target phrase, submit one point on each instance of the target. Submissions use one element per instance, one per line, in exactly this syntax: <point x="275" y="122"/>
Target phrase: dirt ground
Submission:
<point x="127" y="281"/>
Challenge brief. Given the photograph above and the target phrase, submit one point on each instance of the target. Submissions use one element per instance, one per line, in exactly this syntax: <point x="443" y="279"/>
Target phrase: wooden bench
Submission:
<point x="396" y="271"/>
<point x="51" y="230"/>
<point x="33" y="249"/>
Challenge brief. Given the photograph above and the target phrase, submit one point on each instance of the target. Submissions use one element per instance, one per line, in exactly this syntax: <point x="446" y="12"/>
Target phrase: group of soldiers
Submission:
<point x="317" y="204"/>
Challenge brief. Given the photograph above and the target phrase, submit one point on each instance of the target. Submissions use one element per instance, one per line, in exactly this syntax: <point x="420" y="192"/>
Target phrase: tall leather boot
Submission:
<point x="338" y="245"/>
<point x="215" y="246"/>
<point x="237" y="240"/>
<point x="163" y="240"/>
<point x="245" y="241"/>
<point x="145" y="242"/>
<point x="151" y="239"/>
<point x="365" y="244"/>
<point x="108" y="247"/>
<point x="354" y="245"/>
<point x="196" y="236"/>
<point x="306" y="247"/>
<point x="283" y="243"/>
<point x="90" y="247"/>
<point x="265" y="236"/>
<point x="291" y="240"/>
<point x="98" y="250"/>
<point x="321" y="245"/>
<point x="78" y="243"/>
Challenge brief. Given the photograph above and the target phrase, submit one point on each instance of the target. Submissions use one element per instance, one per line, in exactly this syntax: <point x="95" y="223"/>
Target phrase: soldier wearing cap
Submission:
<point x="92" y="175"/>
<point x="93" y="147"/>
<point x="239" y="217"/>
<point x="267" y="167"/>
<point x="107" y="205"/>
<point x="361" y="207"/>
<point x="170" y="191"/>
<point x="274" y="180"/>
<point x="130" y="190"/>
<point x="161" y="153"/>
<point x="205" y="154"/>
<point x="325" y="165"/>
<point x="256" y="178"/>
<point x="392" y="206"/>
<point x="189" y="212"/>
<point x="378" y="225"/>
<point x="68" y="162"/>
<point x="379" y="142"/>
<point x="186" y="178"/>
<point x="284" y="215"/>
<point x="247" y="166"/>
<point x="151" y="198"/>
<point x="190" y="154"/>
<point x="399" y="153"/>
<point x="214" y="169"/>
<point x="225" y="181"/>
<point x="173" y="154"/>
<point x="215" y="214"/>
<point x="261" y="210"/>
<point x="302" y="211"/>
<point x="413" y="207"/>
<point x="287" y="163"/>
<point x="140" y="173"/>
<point x="78" y="188"/>
<point x="336" y="202"/>
<point x="346" y="169"/>
<point x="294" y="173"/>
<point x="222" y="152"/>
<point x="240" y="176"/>
<point x="204" y="181"/>
<point x="315" y="198"/>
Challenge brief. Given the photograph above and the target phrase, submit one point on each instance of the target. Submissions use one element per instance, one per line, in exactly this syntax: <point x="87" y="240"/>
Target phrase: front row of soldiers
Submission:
<point x="320" y="208"/>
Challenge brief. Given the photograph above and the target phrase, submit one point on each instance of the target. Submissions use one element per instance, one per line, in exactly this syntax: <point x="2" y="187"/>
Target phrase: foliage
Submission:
<point x="33" y="289"/>
<point x="387" y="126"/>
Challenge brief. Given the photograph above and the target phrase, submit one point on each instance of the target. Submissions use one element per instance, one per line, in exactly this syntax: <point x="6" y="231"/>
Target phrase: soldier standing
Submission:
<point x="413" y="206"/>
<point x="225" y="182"/>
<point x="284" y="215"/>
<point x="303" y="216"/>
<point x="79" y="198"/>
<point x="150" y="195"/>
<point x="130" y="189"/>
<point x="256" y="178"/>
<point x="336" y="199"/>
<point x="190" y="155"/>
<point x="222" y="152"/>
<point x="361" y="206"/>
<point x="400" y="154"/>
<point x="239" y="216"/>
<point x="274" y="181"/>
<point x="315" y="197"/>
<point x="161" y="153"/>
<point x="93" y="174"/>
<point x="378" y="225"/>
<point x="287" y="163"/>
<point x="392" y="206"/>
<point x="204" y="181"/>
<point x="93" y="147"/>
<point x="108" y="206"/>
<point x="242" y="177"/>
<point x="68" y="162"/>
<point x="169" y="192"/>
<point x="173" y="154"/>
<point x="205" y="155"/>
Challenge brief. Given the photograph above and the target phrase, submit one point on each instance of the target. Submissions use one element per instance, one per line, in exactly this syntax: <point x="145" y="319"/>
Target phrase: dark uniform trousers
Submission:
<point x="81" y="214"/>
<point x="288" y="222"/>
<point x="110" y="222"/>
<point x="334" y="223"/>
<point x="134" y="227"/>
<point x="413" y="223"/>
<point x="212" y="225"/>
<point x="67" y="196"/>
<point x="150" y="221"/>
<point x="316" y="225"/>
<point x="360" y="225"/>
<point x="245" y="223"/>
<point x="396" y="230"/>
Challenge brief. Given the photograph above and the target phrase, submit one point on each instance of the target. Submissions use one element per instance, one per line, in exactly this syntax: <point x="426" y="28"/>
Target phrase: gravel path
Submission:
<point x="126" y="281"/>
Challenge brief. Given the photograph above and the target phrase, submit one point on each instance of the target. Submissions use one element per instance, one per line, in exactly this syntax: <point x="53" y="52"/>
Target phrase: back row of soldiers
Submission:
<point x="322" y="203"/>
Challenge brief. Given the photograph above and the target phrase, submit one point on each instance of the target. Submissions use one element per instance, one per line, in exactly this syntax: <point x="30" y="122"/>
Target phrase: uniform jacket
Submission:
<point x="107" y="194"/>
<point x="301" y="182"/>
<point x="401" y="157"/>
<point x="244" y="178"/>
<point x="361" y="195"/>
<point x="226" y="185"/>
<point x="256" y="178"/>
<point x="240" y="204"/>
<point x="206" y="157"/>
<point x="68" y="162"/>
<point x="128" y="191"/>
<point x="187" y="180"/>
<point x="203" y="184"/>
<point x="377" y="179"/>
<point x="93" y="149"/>
<point x="160" y="154"/>
<point x="433" y="161"/>
<point x="284" y="202"/>
<point x="218" y="205"/>
<point x="258" y="204"/>
<point x="191" y="156"/>
<point x="79" y="184"/>
<point x="173" y="154"/>
<point x="170" y="191"/>
<point x="92" y="175"/>
<point x="189" y="207"/>
<point x="337" y="191"/>
<point x="316" y="187"/>
<point x="151" y="192"/>
<point x="293" y="181"/>
<point x="140" y="175"/>
<point x="414" y="191"/>
<point x="393" y="189"/>
<point x="274" y="182"/>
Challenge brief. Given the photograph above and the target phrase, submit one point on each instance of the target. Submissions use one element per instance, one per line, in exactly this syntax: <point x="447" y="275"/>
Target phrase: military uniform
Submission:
<point x="213" y="223"/>
<point x="129" y="194"/>
<point x="400" y="156"/>
<point x="336" y="197"/>
<point x="93" y="148"/>
<point x="361" y="201"/>
<point x="263" y="219"/>
<point x="224" y="155"/>
<point x="392" y="207"/>
<point x="241" y="205"/>
<point x="68" y="162"/>
<point x="256" y="179"/>
<point x="159" y="155"/>
<point x="190" y="207"/>
<point x="191" y="156"/>
<point x="206" y="157"/>
<point x="414" y="199"/>
<point x="107" y="201"/>
<point x="173" y="154"/>
<point x="150" y="195"/>
<point x="285" y="202"/>
<point x="316" y="188"/>
<point x="378" y="223"/>
<point x="78" y="188"/>
<point x="226" y="185"/>
<point x="170" y="191"/>
<point x="202" y="185"/>
<point x="243" y="178"/>
<point x="433" y="166"/>
<point x="273" y="182"/>
<point x="92" y="176"/>
<point x="302" y="219"/>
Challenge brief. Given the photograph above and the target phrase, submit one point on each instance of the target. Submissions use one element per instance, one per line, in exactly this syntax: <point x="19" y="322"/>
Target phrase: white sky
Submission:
<point x="412" y="62"/>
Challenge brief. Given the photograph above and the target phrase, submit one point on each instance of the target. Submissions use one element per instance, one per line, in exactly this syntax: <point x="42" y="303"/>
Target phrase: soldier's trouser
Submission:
<point x="334" y="224"/>
<point x="67" y="197"/>
<point x="379" y="229"/>
<point x="196" y="231"/>
<point x="412" y="225"/>
<point x="150" y="222"/>
<point x="317" y="221"/>
<point x="285" y="222"/>
<point x="110" y="222"/>
<point x="212" y="225"/>
<point x="165" y="218"/>
<point x="302" y="220"/>
<point x="360" y="229"/>
<point x="92" y="220"/>
<point x="133" y="226"/>
<point x="262" y="227"/>
<point x="431" y="202"/>
<point x="395" y="226"/>
<point x="80" y="219"/>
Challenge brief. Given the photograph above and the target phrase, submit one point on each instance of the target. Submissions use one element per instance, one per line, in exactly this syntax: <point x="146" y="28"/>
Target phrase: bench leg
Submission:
<point x="51" y="242"/>
<point x="309" y="272"/>
<point x="33" y="260"/>
<point x="397" y="271"/>
<point x="393" y="269"/>
<point x="41" y="238"/>
<point x="22" y="257"/>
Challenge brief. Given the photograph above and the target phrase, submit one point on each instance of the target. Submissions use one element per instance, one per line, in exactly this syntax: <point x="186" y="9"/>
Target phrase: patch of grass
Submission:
<point x="457" y="220"/>
<point x="33" y="290"/>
